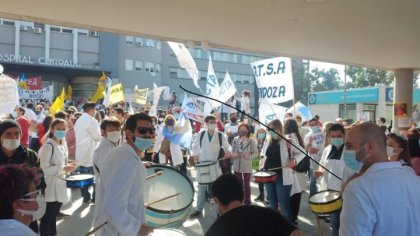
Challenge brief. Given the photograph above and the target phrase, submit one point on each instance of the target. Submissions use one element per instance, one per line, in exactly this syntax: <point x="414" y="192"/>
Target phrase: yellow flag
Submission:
<point x="140" y="95"/>
<point x="101" y="88"/>
<point x="117" y="93"/>
<point x="69" y="92"/>
<point x="58" y="103"/>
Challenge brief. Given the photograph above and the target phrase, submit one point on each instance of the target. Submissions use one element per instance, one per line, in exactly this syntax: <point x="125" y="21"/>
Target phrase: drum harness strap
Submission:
<point x="266" y="126"/>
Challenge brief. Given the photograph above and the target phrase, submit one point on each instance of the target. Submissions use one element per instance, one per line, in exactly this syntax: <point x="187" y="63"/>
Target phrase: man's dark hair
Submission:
<point x="335" y="127"/>
<point x="88" y="106"/>
<point x="30" y="105"/>
<point x="119" y="110"/>
<point x="227" y="188"/>
<point x="110" y="122"/>
<point x="61" y="115"/>
<point x="382" y="119"/>
<point x="131" y="122"/>
<point x="21" y="109"/>
<point x="209" y="117"/>
<point x="8" y="123"/>
<point x="313" y="119"/>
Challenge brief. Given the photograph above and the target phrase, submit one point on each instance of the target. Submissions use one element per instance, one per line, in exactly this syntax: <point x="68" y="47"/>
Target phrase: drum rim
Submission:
<point x="71" y="180"/>
<point x="317" y="203"/>
<point x="188" y="180"/>
<point x="264" y="176"/>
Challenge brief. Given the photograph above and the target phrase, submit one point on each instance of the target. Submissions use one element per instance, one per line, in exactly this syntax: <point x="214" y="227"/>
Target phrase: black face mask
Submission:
<point x="233" y="120"/>
<point x="37" y="112"/>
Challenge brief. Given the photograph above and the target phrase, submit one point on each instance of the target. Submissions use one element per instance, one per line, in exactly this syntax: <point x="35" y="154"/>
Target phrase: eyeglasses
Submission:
<point x="144" y="130"/>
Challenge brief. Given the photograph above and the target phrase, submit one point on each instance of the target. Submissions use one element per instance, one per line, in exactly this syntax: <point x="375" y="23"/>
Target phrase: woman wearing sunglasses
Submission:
<point x="20" y="202"/>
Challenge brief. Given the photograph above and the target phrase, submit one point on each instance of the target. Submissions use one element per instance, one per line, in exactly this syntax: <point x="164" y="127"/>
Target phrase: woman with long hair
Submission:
<point x="277" y="159"/>
<point x="244" y="149"/>
<point x="397" y="149"/>
<point x="54" y="156"/>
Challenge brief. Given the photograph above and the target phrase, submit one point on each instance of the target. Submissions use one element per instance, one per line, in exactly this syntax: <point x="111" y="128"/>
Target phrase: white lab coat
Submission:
<point x="209" y="150"/>
<point x="12" y="227"/>
<point x="101" y="158"/>
<point x="299" y="181"/>
<point x="123" y="203"/>
<point x="53" y="158"/>
<point x="175" y="150"/>
<point x="88" y="134"/>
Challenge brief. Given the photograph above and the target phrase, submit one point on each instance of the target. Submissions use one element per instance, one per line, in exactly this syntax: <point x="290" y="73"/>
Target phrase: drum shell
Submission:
<point x="265" y="179"/>
<point x="168" y="232"/>
<point x="326" y="207"/>
<point x="156" y="216"/>
<point x="89" y="181"/>
<point x="207" y="172"/>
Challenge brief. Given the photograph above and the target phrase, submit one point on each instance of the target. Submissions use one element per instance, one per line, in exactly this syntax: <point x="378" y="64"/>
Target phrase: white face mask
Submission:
<point x="114" y="136"/>
<point x="42" y="206"/>
<point x="211" y="126"/>
<point x="389" y="151"/>
<point x="10" y="144"/>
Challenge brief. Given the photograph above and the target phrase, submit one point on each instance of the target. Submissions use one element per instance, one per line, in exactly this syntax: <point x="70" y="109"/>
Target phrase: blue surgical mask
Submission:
<point x="337" y="142"/>
<point x="14" y="114"/>
<point x="59" y="134"/>
<point x="273" y="135"/>
<point x="349" y="158"/>
<point x="143" y="143"/>
<point x="315" y="129"/>
<point x="261" y="135"/>
<point x="169" y="122"/>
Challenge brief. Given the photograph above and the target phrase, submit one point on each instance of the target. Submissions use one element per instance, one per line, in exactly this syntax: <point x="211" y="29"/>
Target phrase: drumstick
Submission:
<point x="276" y="168"/>
<point x="154" y="175"/>
<point x="171" y="196"/>
<point x="96" y="229"/>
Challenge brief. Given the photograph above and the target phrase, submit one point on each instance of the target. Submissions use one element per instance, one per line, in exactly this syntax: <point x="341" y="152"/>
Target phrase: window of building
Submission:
<point x="139" y="65"/>
<point x="55" y="29"/>
<point x="128" y="64"/>
<point x="350" y="111"/>
<point x="173" y="73"/>
<point x="139" y="42"/>
<point x="220" y="56"/>
<point x="203" y="75"/>
<point x="149" y="43"/>
<point x="149" y="67"/>
<point x="83" y="32"/>
<point x="8" y="23"/>
<point x="129" y="40"/>
<point x="158" y="44"/>
<point x="158" y="68"/>
<point x="69" y="31"/>
<point x="232" y="57"/>
<point x="39" y="25"/>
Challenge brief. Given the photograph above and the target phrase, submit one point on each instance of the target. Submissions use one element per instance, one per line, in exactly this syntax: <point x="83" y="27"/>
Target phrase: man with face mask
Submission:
<point x="314" y="142"/>
<point x="35" y="121"/>
<point x="206" y="147"/>
<point x="331" y="159"/>
<point x="88" y="135"/>
<point x="124" y="181"/>
<point x="12" y="152"/>
<point x="111" y="135"/>
<point x="384" y="199"/>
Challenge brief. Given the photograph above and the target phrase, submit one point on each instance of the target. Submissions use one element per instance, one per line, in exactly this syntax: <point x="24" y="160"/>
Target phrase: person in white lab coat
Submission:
<point x="20" y="202"/>
<point x="53" y="157"/>
<point x="124" y="181"/>
<point x="175" y="152"/>
<point x="88" y="135"/>
<point x="207" y="149"/>
<point x="111" y="132"/>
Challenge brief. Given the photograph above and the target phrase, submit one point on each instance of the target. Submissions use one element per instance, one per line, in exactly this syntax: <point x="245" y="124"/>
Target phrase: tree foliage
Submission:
<point x="367" y="77"/>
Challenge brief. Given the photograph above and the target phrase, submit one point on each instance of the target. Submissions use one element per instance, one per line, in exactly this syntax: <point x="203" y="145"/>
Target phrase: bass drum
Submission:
<point x="171" y="212"/>
<point x="167" y="232"/>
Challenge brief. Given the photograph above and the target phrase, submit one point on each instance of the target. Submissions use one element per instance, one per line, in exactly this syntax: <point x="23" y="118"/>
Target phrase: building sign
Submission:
<point x="59" y="62"/>
<point x="337" y="97"/>
<point x="389" y="94"/>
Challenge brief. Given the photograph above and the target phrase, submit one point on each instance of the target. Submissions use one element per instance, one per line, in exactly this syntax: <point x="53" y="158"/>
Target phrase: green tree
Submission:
<point x="322" y="80"/>
<point x="367" y="77"/>
<point x="301" y="82"/>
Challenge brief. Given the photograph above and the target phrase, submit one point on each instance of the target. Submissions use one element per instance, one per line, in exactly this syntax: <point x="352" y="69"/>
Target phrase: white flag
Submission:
<point x="156" y="95"/>
<point x="269" y="112"/>
<point x="196" y="108"/>
<point x="212" y="85"/>
<point x="186" y="61"/>
<point x="274" y="79"/>
<point x="226" y="89"/>
<point x="107" y="97"/>
<point x="9" y="95"/>
<point x="166" y="92"/>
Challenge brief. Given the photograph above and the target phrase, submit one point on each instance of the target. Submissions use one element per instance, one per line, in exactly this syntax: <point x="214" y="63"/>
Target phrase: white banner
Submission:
<point x="212" y="85"/>
<point x="9" y="96"/>
<point x="196" y="108"/>
<point x="41" y="94"/>
<point x="268" y="112"/>
<point x="302" y="110"/>
<point x="166" y="93"/>
<point x="226" y="89"/>
<point x="274" y="79"/>
<point x="156" y="95"/>
<point x="186" y="61"/>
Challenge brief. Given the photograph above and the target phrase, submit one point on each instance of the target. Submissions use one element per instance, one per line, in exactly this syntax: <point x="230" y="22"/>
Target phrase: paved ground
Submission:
<point x="80" y="222"/>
